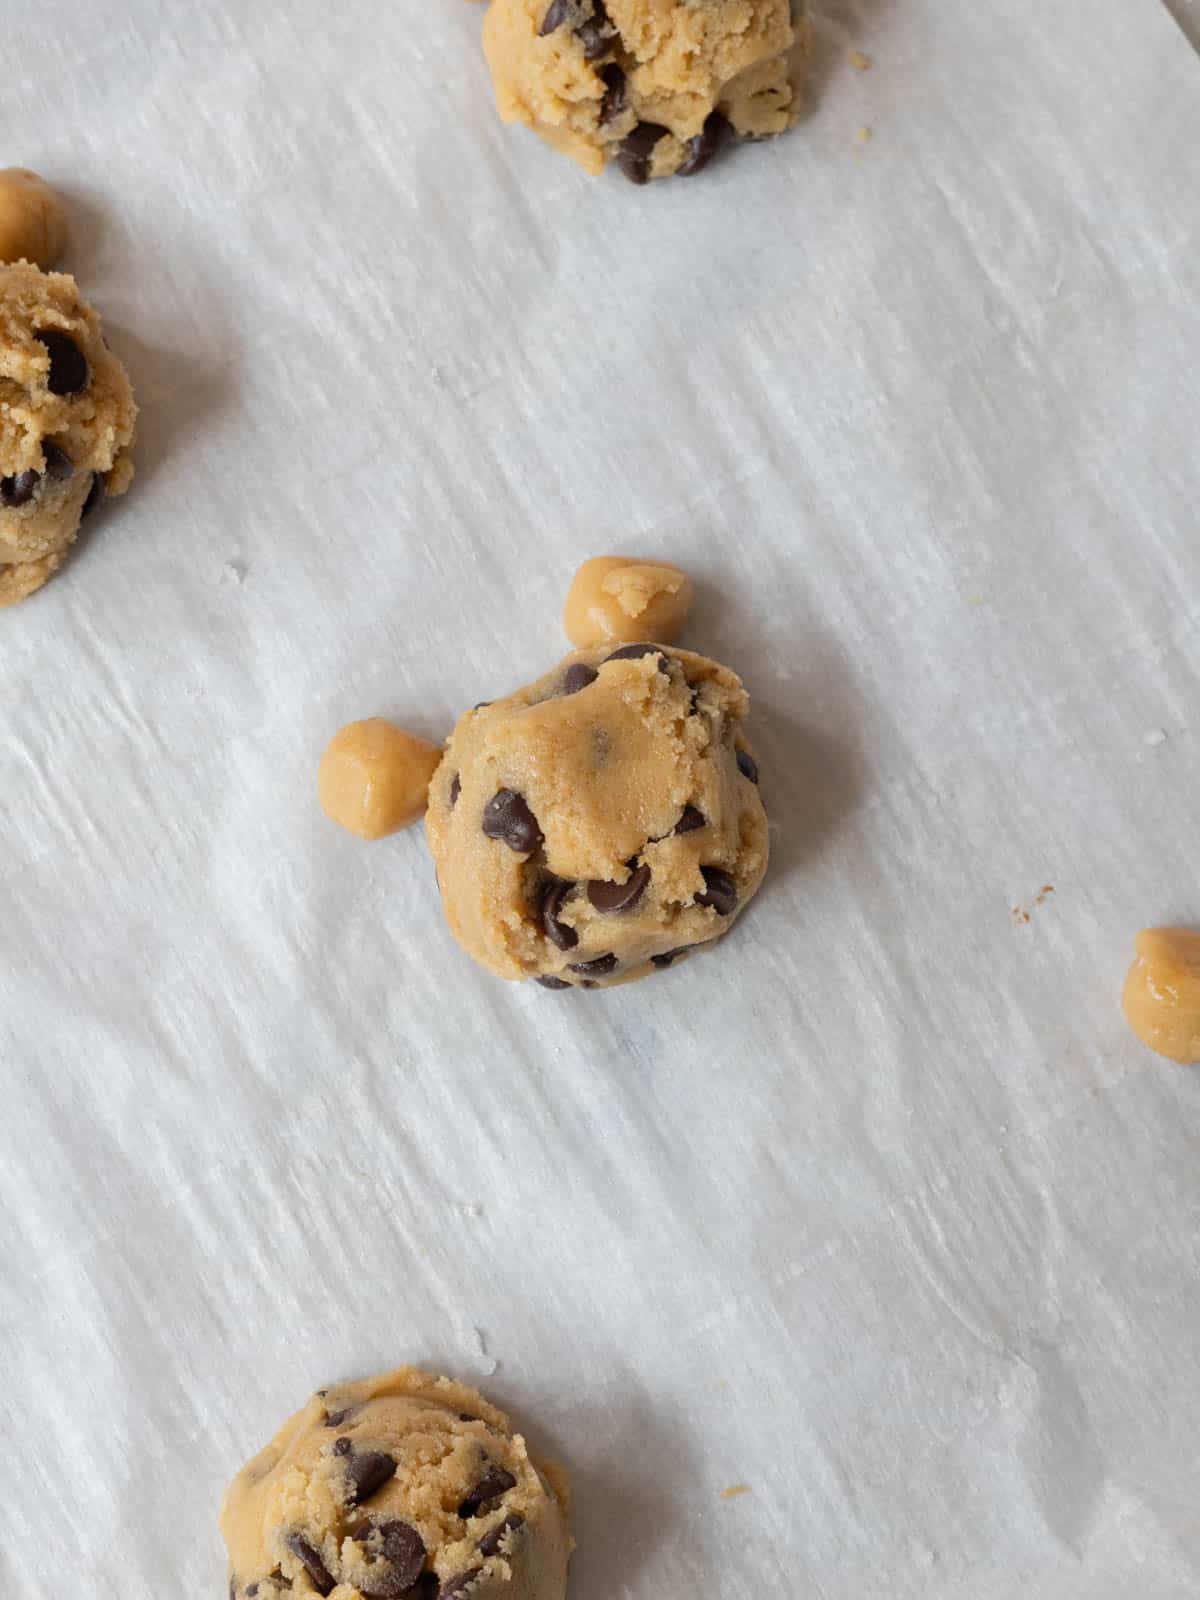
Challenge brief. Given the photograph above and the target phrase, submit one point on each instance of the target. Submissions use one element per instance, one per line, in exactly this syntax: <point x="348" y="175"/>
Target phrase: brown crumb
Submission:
<point x="1019" y="914"/>
<point x="734" y="1490"/>
<point x="858" y="61"/>
<point x="1047" y="888"/>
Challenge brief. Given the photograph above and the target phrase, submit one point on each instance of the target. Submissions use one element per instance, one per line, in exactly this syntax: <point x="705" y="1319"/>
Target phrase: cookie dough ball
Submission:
<point x="403" y="1487"/>
<point x="33" y="223"/>
<point x="1161" y="999"/>
<point x="66" y="423"/>
<point x="618" y="599"/>
<point x="374" y="777"/>
<point x="651" y="84"/>
<point x="592" y="827"/>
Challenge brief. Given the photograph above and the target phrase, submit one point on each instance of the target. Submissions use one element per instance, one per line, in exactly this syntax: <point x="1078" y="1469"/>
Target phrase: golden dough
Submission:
<point x="617" y="599"/>
<point x="374" y="777"/>
<point x="33" y="223"/>
<point x="1161" y="998"/>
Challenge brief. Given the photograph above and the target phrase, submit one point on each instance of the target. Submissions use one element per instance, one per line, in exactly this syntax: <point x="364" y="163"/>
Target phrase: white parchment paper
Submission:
<point x="880" y="1213"/>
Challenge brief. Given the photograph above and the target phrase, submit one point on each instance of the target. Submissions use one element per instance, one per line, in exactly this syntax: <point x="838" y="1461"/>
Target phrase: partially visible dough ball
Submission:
<point x="651" y="84"/>
<point x="67" y="422"/>
<point x="402" y="1487"/>
<point x="595" y="826"/>
<point x="33" y="222"/>
<point x="617" y="599"/>
<point x="374" y="777"/>
<point x="1161" y="998"/>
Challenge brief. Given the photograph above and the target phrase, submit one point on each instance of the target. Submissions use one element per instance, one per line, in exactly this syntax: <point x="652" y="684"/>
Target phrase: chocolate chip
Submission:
<point x="69" y="371"/>
<point x="490" y="1544"/>
<point x="720" y="891"/>
<point x="615" y="97"/>
<point x="425" y="1588"/>
<point x="596" y="967"/>
<point x="465" y="1416"/>
<point x="334" y="1419"/>
<point x="94" y="495"/>
<point x="634" y="153"/>
<point x="747" y="765"/>
<point x="313" y="1565"/>
<point x="495" y="1483"/>
<point x="251" y="1590"/>
<point x="606" y="896"/>
<point x="578" y="677"/>
<point x="666" y="958"/>
<point x="547" y="982"/>
<point x="597" y="35"/>
<point x="455" y="790"/>
<point x="507" y="817"/>
<point x="690" y="820"/>
<point x="399" y="1563"/>
<point x="635" y="652"/>
<point x="698" y="152"/>
<point x="559" y="933"/>
<point x="458" y="1585"/>
<point x="58" y="463"/>
<point x="343" y="1446"/>
<point x="19" y="489"/>
<point x="558" y="12"/>
<point x="479" y="704"/>
<point x="367" y="1471"/>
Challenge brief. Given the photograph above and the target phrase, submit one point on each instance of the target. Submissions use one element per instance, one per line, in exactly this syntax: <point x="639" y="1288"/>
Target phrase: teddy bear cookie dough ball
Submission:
<point x="594" y="826"/>
<point x="33" y="223"/>
<point x="66" y="423"/>
<point x="402" y="1487"/>
<point x="618" y="599"/>
<point x="374" y="777"/>
<point x="651" y="84"/>
<point x="1161" y="998"/>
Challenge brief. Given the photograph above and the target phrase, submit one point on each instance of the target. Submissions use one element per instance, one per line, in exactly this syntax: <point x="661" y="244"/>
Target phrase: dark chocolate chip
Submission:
<point x="720" y="891"/>
<point x="635" y="652"/>
<point x="489" y="1545"/>
<point x="94" y="496"/>
<point x="607" y="896"/>
<point x="58" y="463"/>
<point x="698" y="152"/>
<point x="313" y="1565"/>
<point x="747" y="765"/>
<point x="666" y="958"/>
<point x="635" y="151"/>
<point x="455" y="790"/>
<point x="507" y="817"/>
<point x="465" y="1416"/>
<point x="615" y="97"/>
<point x="690" y="820"/>
<point x="578" y="677"/>
<point x="69" y="372"/>
<point x="367" y="1472"/>
<point x="495" y="1483"/>
<point x="399" y="1563"/>
<point x="343" y="1446"/>
<point x="555" y="892"/>
<point x="558" y="12"/>
<point x="547" y="982"/>
<point x="453" y="1587"/>
<point x="596" y="967"/>
<point x="334" y="1419"/>
<point x="19" y="489"/>
<point x="425" y="1588"/>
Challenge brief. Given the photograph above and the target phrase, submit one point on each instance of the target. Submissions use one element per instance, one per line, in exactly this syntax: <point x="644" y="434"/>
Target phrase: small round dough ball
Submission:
<point x="617" y="599"/>
<point x="650" y="84"/>
<point x="1161" y="999"/>
<point x="33" y="222"/>
<point x="67" y="422"/>
<point x="591" y="828"/>
<point x="402" y="1487"/>
<point x="374" y="777"/>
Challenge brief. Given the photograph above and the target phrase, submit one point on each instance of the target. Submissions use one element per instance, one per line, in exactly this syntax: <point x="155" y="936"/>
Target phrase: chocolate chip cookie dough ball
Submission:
<point x="403" y="1487"/>
<point x="66" y="423"/>
<point x="593" y="827"/>
<point x="33" y="223"/>
<point x="651" y="84"/>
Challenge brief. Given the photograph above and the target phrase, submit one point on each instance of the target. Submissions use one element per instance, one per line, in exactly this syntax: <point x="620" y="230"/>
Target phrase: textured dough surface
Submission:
<point x="92" y="430"/>
<point x="608" y="772"/>
<point x="607" y="70"/>
<point x="311" y="1514"/>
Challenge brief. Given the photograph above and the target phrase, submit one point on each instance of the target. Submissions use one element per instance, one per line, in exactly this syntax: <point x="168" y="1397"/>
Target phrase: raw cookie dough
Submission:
<point x="66" y="423"/>
<point x="652" y="84"/>
<point x="33" y="223"/>
<point x="1161" y="998"/>
<point x="592" y="827"/>
<point x="618" y="599"/>
<point x="402" y="1487"/>
<point x="374" y="777"/>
